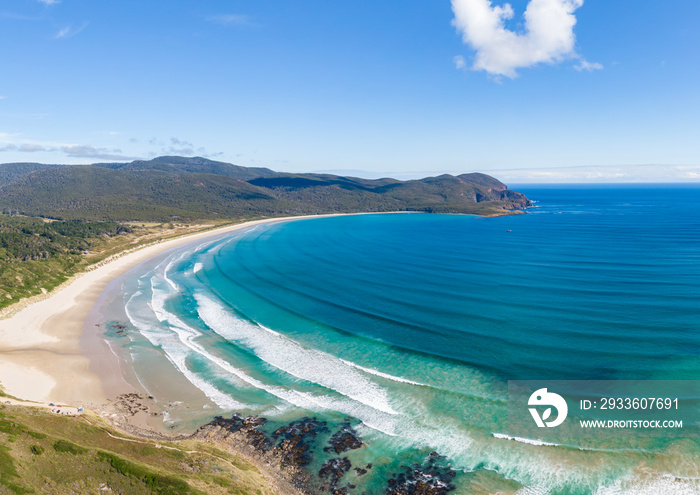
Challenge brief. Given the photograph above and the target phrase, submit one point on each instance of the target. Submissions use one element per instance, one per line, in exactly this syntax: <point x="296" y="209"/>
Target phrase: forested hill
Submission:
<point x="179" y="164"/>
<point x="198" y="189"/>
<point x="11" y="171"/>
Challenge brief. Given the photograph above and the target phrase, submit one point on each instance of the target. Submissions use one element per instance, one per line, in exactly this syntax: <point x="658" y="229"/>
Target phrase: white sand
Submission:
<point x="40" y="351"/>
<point x="36" y="383"/>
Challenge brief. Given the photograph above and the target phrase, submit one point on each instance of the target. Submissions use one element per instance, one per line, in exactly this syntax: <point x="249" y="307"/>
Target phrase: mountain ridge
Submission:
<point x="198" y="188"/>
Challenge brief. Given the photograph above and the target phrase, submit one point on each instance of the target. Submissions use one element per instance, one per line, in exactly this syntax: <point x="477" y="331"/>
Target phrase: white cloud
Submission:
<point x="459" y="61"/>
<point x="31" y="147"/>
<point x="63" y="32"/>
<point x="601" y="173"/>
<point x="179" y="147"/>
<point x="3" y="97"/>
<point x="548" y="35"/>
<point x="69" y="32"/>
<point x="231" y="19"/>
<point x="14" y="143"/>
<point x="87" y="151"/>
<point x="24" y="147"/>
<point x="588" y="66"/>
<point x="49" y="2"/>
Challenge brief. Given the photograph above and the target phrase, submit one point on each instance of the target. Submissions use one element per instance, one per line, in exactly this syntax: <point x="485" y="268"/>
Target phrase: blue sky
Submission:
<point x="593" y="90"/>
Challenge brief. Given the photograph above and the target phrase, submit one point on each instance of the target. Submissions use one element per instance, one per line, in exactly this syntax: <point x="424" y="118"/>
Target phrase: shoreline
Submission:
<point x="51" y="354"/>
<point x="42" y="354"/>
<point x="238" y="441"/>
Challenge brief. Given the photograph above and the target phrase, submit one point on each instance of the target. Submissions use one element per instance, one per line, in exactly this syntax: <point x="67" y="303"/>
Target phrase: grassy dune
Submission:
<point x="42" y="452"/>
<point x="24" y="279"/>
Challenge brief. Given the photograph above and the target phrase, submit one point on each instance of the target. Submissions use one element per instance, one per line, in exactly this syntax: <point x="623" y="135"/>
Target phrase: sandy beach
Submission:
<point x="41" y="356"/>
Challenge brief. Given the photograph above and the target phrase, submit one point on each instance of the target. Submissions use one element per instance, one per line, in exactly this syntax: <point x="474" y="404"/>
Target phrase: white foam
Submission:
<point x="534" y="490"/>
<point x="134" y="310"/>
<point x="197" y="266"/>
<point x="289" y="356"/>
<point x="178" y="359"/>
<point x="547" y="444"/>
<point x="167" y="268"/>
<point x="383" y="375"/>
<point x="665" y="484"/>
<point x="525" y="440"/>
<point x="178" y="341"/>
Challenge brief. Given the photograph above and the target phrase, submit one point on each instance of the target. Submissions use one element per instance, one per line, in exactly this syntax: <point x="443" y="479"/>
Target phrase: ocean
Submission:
<point x="407" y="327"/>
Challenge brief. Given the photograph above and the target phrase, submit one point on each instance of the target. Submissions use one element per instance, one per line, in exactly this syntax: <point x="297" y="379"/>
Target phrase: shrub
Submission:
<point x="71" y="448"/>
<point x="156" y="482"/>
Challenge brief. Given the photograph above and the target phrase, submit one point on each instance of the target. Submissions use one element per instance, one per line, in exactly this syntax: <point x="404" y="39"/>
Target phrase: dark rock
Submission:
<point x="286" y="450"/>
<point x="428" y="479"/>
<point x="334" y="469"/>
<point x="289" y="451"/>
<point x="344" y="440"/>
<point x="130" y="404"/>
<point x="294" y="448"/>
<point x="248" y="426"/>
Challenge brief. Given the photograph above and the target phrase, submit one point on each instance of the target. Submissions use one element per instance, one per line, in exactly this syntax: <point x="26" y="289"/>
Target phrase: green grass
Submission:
<point x="19" y="280"/>
<point x="9" y="474"/>
<point x="156" y="482"/>
<point x="68" y="447"/>
<point x="48" y="453"/>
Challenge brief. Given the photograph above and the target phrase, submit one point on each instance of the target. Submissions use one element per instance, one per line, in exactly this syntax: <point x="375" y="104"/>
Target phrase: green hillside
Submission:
<point x="97" y="193"/>
<point x="178" y="165"/>
<point x="198" y="189"/>
<point x="11" y="171"/>
<point x="42" y="452"/>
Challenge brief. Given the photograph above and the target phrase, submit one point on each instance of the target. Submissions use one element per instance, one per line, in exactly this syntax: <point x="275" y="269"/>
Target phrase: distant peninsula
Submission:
<point x="195" y="189"/>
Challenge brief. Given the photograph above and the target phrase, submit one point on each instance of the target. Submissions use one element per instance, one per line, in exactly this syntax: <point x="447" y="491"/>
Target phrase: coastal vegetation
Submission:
<point x="42" y="452"/>
<point x="26" y="239"/>
<point x="37" y="255"/>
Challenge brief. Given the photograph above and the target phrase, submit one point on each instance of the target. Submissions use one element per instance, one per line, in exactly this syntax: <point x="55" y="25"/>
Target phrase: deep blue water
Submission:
<point x="593" y="283"/>
<point x="413" y="323"/>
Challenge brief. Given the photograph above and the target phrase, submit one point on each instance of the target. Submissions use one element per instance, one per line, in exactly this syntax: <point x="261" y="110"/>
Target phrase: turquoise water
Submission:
<point x="411" y="325"/>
